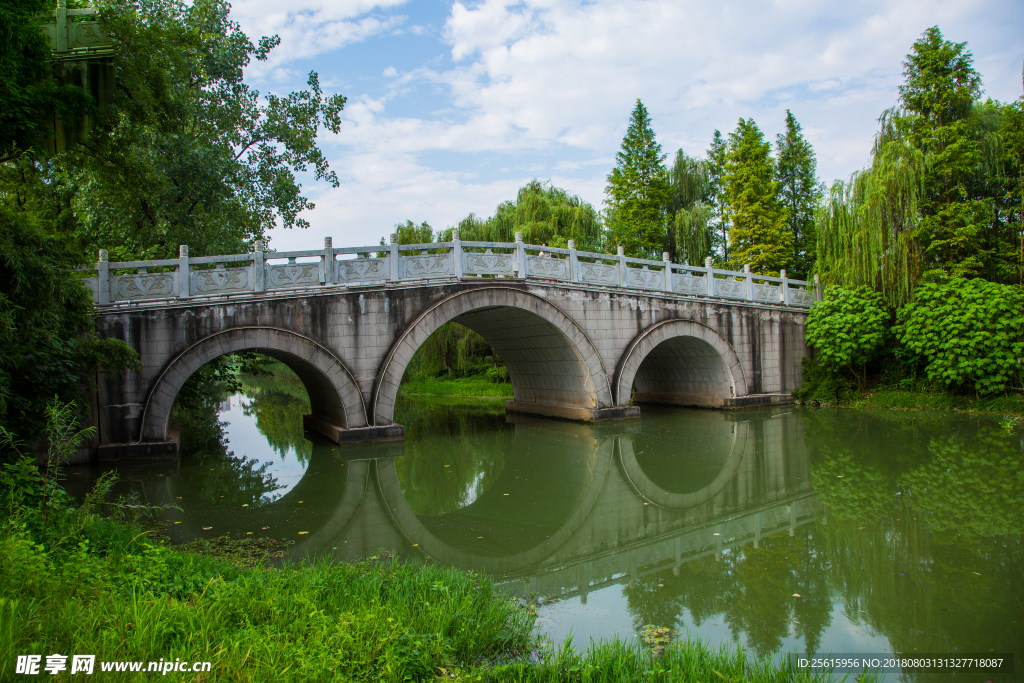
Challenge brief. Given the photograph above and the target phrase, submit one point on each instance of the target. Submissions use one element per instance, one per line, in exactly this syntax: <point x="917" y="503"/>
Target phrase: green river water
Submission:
<point x="781" y="530"/>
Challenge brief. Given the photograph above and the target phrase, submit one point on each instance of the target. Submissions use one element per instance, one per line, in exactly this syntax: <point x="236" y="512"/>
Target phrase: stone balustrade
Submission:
<point x="261" y="272"/>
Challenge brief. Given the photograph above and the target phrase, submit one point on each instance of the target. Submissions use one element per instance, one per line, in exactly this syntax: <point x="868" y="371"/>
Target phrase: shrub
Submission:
<point x="848" y="328"/>
<point x="969" y="333"/>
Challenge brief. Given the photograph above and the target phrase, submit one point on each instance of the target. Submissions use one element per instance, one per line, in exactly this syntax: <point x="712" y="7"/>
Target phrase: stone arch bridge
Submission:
<point x="585" y="336"/>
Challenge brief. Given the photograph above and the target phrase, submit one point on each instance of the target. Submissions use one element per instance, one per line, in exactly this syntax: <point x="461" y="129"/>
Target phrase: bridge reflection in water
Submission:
<point x="554" y="508"/>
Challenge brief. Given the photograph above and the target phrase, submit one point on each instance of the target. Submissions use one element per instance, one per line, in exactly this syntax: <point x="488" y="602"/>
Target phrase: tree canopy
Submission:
<point x="638" y="190"/>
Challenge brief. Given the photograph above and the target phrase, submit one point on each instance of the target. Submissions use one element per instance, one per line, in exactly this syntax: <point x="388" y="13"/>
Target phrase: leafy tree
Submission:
<point x="638" y="190"/>
<point x="716" y="175"/>
<point x="759" y="234"/>
<point x="410" y="233"/>
<point x="50" y="347"/>
<point x="545" y="214"/>
<point x="799" y="192"/>
<point x="689" y="209"/>
<point x="187" y="153"/>
<point x="970" y="334"/>
<point x="847" y="328"/>
<point x="939" y="89"/>
<point x="31" y="98"/>
<point x="943" y="189"/>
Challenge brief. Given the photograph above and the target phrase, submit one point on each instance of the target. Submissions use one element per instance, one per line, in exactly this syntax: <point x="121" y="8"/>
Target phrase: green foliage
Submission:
<point x="690" y="209"/>
<point x="759" y="235"/>
<point x="638" y="190"/>
<point x="970" y="334"/>
<point x="800" y="192"/>
<point x="31" y="98"/>
<point x="943" y="196"/>
<point x="822" y="385"/>
<point x="847" y="329"/>
<point x="46" y="326"/>
<point x="545" y="214"/>
<point x="716" y="175"/>
<point x="186" y="153"/>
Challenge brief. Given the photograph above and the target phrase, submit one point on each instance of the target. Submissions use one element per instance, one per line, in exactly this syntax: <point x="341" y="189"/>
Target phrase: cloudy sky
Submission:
<point x="453" y="106"/>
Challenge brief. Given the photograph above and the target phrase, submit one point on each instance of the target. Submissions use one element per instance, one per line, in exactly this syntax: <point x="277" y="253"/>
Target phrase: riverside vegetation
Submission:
<point x="93" y="576"/>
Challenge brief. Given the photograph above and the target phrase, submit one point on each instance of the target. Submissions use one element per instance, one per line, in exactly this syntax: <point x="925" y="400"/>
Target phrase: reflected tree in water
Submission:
<point x="215" y="473"/>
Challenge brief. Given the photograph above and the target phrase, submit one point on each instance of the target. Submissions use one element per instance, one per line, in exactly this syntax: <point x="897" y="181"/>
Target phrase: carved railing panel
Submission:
<point x="767" y="293"/>
<point x="690" y="285"/>
<point x="730" y="288"/>
<point x="547" y="267"/>
<point x="645" y="278"/>
<point x="221" y="281"/>
<point x="489" y="264"/>
<point x="288" y="275"/>
<point x="800" y="297"/>
<point x="599" y="274"/>
<point x="428" y="265"/>
<point x="363" y="269"/>
<point x="143" y="286"/>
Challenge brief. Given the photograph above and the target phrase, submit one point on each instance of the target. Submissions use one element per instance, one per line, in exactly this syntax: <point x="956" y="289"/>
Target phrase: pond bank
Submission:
<point x="887" y="398"/>
<point x="123" y="597"/>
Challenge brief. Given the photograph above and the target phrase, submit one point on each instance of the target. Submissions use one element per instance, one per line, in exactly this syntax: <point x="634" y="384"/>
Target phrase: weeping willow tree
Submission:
<point x="866" y="227"/>
<point x="545" y="214"/>
<point x="453" y="349"/>
<point x="690" y="209"/>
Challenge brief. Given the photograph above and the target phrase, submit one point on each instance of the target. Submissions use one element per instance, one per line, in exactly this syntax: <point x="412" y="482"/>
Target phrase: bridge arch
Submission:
<point x="680" y="361"/>
<point x="550" y="359"/>
<point x="333" y="392"/>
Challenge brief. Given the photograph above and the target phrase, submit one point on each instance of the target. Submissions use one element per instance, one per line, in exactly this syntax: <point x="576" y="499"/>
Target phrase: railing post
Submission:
<point x="184" y="288"/>
<point x="711" y="276"/>
<point x="621" y="254"/>
<point x="103" y="278"/>
<point x="784" y="288"/>
<point x="749" y="283"/>
<point x="574" y="263"/>
<point x="457" y="253"/>
<point x="520" y="256"/>
<point x="668" y="271"/>
<point x="258" y="267"/>
<point x="327" y="269"/>
<point x="393" y="257"/>
<point x="817" y="287"/>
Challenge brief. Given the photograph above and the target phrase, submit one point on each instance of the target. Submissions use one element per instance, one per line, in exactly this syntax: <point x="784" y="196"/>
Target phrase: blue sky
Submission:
<point x="453" y="106"/>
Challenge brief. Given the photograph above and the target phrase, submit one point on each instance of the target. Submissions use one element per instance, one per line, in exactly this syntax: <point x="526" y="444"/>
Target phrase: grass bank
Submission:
<point x="476" y="386"/>
<point x="902" y="399"/>
<point x="122" y="597"/>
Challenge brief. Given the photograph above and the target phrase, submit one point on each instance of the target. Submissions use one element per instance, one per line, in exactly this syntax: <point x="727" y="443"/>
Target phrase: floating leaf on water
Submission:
<point x="265" y="528"/>
<point x="302" y="533"/>
<point x="177" y="522"/>
<point x="796" y="595"/>
<point x="207" y="528"/>
<point x="300" y="501"/>
<point x="976" y="573"/>
<point x="245" y="505"/>
<point x="248" y="533"/>
<point x="415" y="545"/>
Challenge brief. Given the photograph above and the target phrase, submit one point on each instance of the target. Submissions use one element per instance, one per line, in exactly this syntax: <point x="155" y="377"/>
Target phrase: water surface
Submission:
<point x="899" y="532"/>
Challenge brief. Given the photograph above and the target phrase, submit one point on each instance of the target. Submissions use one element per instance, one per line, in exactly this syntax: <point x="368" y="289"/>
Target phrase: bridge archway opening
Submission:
<point x="681" y="362"/>
<point x="333" y="395"/>
<point x="550" y="360"/>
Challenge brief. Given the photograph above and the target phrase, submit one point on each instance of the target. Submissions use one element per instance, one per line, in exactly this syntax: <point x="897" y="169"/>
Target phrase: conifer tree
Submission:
<point x="638" y="190"/>
<point x="799" y="191"/>
<point x="759" y="234"/>
<point x="716" y="175"/>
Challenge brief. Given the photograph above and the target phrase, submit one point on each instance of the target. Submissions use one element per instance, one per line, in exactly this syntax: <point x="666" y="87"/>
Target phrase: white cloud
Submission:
<point x="545" y="87"/>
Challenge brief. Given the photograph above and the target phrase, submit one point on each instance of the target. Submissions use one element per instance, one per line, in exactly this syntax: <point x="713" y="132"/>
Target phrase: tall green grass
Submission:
<point x="378" y="620"/>
<point x="477" y="385"/>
